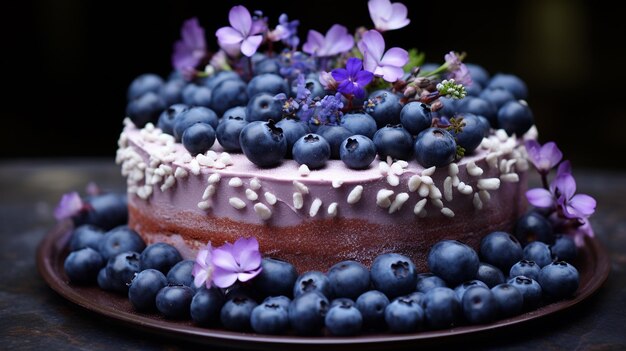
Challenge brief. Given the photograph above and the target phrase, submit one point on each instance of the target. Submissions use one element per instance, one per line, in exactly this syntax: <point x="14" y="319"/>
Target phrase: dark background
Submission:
<point x="68" y="63"/>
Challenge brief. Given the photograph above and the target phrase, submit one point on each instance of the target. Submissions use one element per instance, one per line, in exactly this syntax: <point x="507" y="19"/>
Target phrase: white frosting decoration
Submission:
<point x="397" y="203"/>
<point x="315" y="207"/>
<point x="447" y="212"/>
<point x="332" y="209"/>
<point x="488" y="184"/>
<point x="180" y="173"/>
<point x="208" y="192"/>
<point x="298" y="201"/>
<point x="270" y="198"/>
<point x="337" y="183"/>
<point x="235" y="182"/>
<point x="383" y="198"/>
<point x="304" y="170"/>
<point x="262" y="211"/>
<point x="355" y="194"/>
<point x="251" y="195"/>
<point x="303" y="189"/>
<point x="236" y="202"/>
<point x="419" y="206"/>
<point x="204" y="205"/>
<point x="255" y="184"/>
<point x="214" y="178"/>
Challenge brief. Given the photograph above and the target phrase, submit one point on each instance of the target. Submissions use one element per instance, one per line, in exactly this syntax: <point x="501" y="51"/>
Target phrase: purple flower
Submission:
<point x="191" y="48"/>
<point x="328" y="110"/>
<point x="239" y="261"/>
<point x="543" y="157"/>
<point x="69" y="206"/>
<point x="384" y="64"/>
<point x="243" y="32"/>
<point x="203" y="267"/>
<point x="457" y="69"/>
<point x="287" y="31"/>
<point x="353" y="78"/>
<point x="327" y="81"/>
<point x="294" y="63"/>
<point x="336" y="41"/>
<point x="387" y="16"/>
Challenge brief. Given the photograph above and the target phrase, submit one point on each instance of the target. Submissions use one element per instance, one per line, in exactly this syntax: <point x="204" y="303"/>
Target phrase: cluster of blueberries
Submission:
<point x="247" y="117"/>
<point x="502" y="280"/>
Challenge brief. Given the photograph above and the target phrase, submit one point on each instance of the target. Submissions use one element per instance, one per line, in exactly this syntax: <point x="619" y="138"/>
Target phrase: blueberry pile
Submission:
<point x="501" y="280"/>
<point x="244" y="115"/>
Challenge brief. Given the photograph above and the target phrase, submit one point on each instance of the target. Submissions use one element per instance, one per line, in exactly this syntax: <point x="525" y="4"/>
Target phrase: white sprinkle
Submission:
<point x="155" y="179"/>
<point x="503" y="168"/>
<point x="447" y="188"/>
<point x="389" y="159"/>
<point x="211" y="154"/>
<point x="180" y="173"/>
<point x="205" y="161"/>
<point x="315" y="207"/>
<point x="301" y="187"/>
<point x="492" y="159"/>
<point x="484" y="195"/>
<point x="235" y="182"/>
<point x="187" y="158"/>
<point x="427" y="180"/>
<point x="414" y="182"/>
<point x="149" y="127"/>
<point x="236" y="203"/>
<point x="478" y="204"/>
<point x="251" y="195"/>
<point x="393" y="180"/>
<point x="509" y="178"/>
<point x="166" y="139"/>
<point x="304" y="170"/>
<point x="297" y="201"/>
<point x="355" y="194"/>
<point x="532" y="133"/>
<point x="453" y="169"/>
<point x="214" y="178"/>
<point x="447" y="212"/>
<point x="226" y="158"/>
<point x="262" y="211"/>
<point x="337" y="183"/>
<point x="169" y="181"/>
<point x="437" y="202"/>
<point x="510" y="164"/>
<point x="396" y="168"/>
<point x="473" y="169"/>
<point x="397" y="203"/>
<point x="166" y="169"/>
<point x="488" y="184"/>
<point x="219" y="164"/>
<point x="402" y="163"/>
<point x="455" y="180"/>
<point x="501" y="135"/>
<point x="159" y="171"/>
<point x="255" y="184"/>
<point x="429" y="171"/>
<point x="383" y="198"/>
<point x="434" y="192"/>
<point x="194" y="167"/>
<point x="204" y="205"/>
<point x="270" y="198"/>
<point x="419" y="206"/>
<point x="460" y="186"/>
<point x="208" y="192"/>
<point x="424" y="190"/>
<point x="332" y="209"/>
<point x="466" y="190"/>
<point x="485" y="144"/>
<point x="383" y="167"/>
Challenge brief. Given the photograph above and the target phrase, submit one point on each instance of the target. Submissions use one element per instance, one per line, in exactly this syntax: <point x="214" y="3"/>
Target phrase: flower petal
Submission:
<point x="340" y="74"/>
<point x="250" y="260"/>
<point x="244" y="277"/>
<point x="224" y="278"/>
<point x="395" y="57"/>
<point x="391" y="74"/>
<point x="566" y="186"/>
<point x="314" y="42"/>
<point x="240" y="19"/>
<point x="374" y="43"/>
<point x="258" y="26"/>
<point x="224" y="259"/>
<point x="201" y="258"/>
<point x="584" y="204"/>
<point x="353" y="66"/>
<point x="363" y="78"/>
<point x="379" y="9"/>
<point x="370" y="63"/>
<point x="564" y="168"/>
<point x="251" y="44"/>
<point x="200" y="277"/>
<point x="540" y="197"/>
<point x="533" y="149"/>
<point x="337" y="40"/>
<point x="244" y="244"/>
<point x="69" y="206"/>
<point x="398" y="17"/>
<point x="228" y="35"/>
<point x="551" y="153"/>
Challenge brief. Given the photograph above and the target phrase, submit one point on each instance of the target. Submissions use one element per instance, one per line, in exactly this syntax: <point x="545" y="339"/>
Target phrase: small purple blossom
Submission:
<point x="294" y="63"/>
<point x="457" y="69"/>
<point x="388" y="65"/>
<point x="387" y="16"/>
<point x="240" y="261"/>
<point x="327" y="81"/>
<point x="190" y="50"/>
<point x="69" y="206"/>
<point x="203" y="267"/>
<point x="302" y="93"/>
<point x="286" y="31"/>
<point x="352" y="79"/>
<point x="243" y="32"/>
<point x="336" y="41"/>
<point x="328" y="110"/>
<point x="543" y="157"/>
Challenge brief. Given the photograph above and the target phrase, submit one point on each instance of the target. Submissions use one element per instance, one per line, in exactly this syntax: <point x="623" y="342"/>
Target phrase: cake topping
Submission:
<point x="355" y="194"/>
<point x="237" y="203"/>
<point x="235" y="182"/>
<point x="315" y="207"/>
<point x="270" y="198"/>
<point x="262" y="211"/>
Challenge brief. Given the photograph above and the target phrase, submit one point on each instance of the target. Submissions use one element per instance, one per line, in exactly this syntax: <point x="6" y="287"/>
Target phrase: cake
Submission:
<point x="188" y="195"/>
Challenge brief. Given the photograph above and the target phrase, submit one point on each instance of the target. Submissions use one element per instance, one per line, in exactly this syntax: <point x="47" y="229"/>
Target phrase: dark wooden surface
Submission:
<point x="33" y="316"/>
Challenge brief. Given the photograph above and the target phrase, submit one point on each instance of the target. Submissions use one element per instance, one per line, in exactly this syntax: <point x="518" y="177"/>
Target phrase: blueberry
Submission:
<point x="404" y="316"/>
<point x="509" y="299"/>
<point x="237" y="112"/>
<point x="105" y="211"/>
<point x="206" y="305"/>
<point x="104" y="282"/>
<point x="312" y="281"/>
<point x="490" y="275"/>
<point x="526" y="268"/>
<point x="172" y="91"/>
<point x="198" y="138"/>
<point x="509" y="82"/>
<point x="538" y="252"/>
<point x="559" y="280"/>
<point x="118" y="240"/>
<point x="276" y="278"/>
<point x="263" y="143"/>
<point x="530" y="289"/>
<point x="474" y="89"/>
<point x="263" y="107"/>
<point x="394" y="141"/>
<point x="372" y="306"/>
<point x="272" y="84"/>
<point x="228" y="131"/>
<point x="343" y="320"/>
<point x="307" y="312"/>
<point x="462" y="288"/>
<point x="563" y="249"/>
<point x="359" y="123"/>
<point x="479" y="305"/>
<point x="498" y="97"/>
<point x="478" y="74"/>
<point x="145" y="83"/>
<point x="188" y="93"/>
<point x="235" y="314"/>
<point x="348" y="279"/>
<point x="479" y="107"/>
<point x="220" y="77"/>
<point x="144" y="288"/>
<point x="441" y="308"/>
<point x="501" y="250"/>
<point x="415" y="117"/>
<point x="453" y="261"/>
<point x="393" y="274"/>
<point x="121" y="269"/>
<point x="515" y="118"/>
<point x="311" y="150"/>
<point x="449" y="107"/>
<point x="486" y="125"/>
<point x="427" y="281"/>
<point x="174" y="301"/>
<point x="86" y="235"/>
<point x="201" y="97"/>
<point x="168" y="117"/>
<point x="180" y="274"/>
<point x="533" y="226"/>
<point x="267" y="66"/>
<point x="229" y="93"/>
<point x="434" y="147"/>
<point x="192" y="116"/>
<point x="386" y="108"/>
<point x="82" y="266"/>
<point x="416" y="296"/>
<point x="472" y="134"/>
<point x="293" y="131"/>
<point x="160" y="256"/>
<point x="270" y="318"/>
<point x="357" y="152"/>
<point x="145" y="109"/>
<point x="334" y="135"/>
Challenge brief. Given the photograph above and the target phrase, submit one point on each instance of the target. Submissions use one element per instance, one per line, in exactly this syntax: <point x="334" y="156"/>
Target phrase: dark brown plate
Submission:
<point x="593" y="265"/>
